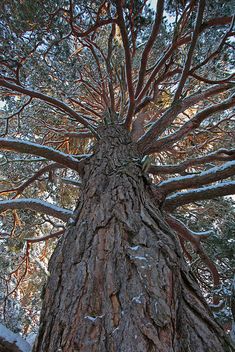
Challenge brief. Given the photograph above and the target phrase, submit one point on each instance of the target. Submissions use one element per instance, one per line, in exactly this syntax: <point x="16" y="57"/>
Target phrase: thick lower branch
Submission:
<point x="178" y="199"/>
<point x="11" y="342"/>
<point x="192" y="181"/>
<point x="20" y="146"/>
<point x="36" y="205"/>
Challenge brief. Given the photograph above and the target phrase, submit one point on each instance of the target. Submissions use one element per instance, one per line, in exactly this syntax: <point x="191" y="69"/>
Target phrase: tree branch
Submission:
<point x="214" y="174"/>
<point x="160" y="63"/>
<point x="36" y="205"/>
<point x="45" y="238"/>
<point x="219" y="155"/>
<point x="212" y="81"/>
<point x="93" y="28"/>
<point x="218" y="21"/>
<point x="128" y="61"/>
<point x="149" y="45"/>
<point x="9" y="341"/>
<point x="145" y="143"/>
<point x="50" y="100"/>
<point x="188" y="235"/>
<point x="187" y="65"/>
<point x="19" y="146"/>
<point x="18" y="190"/>
<point x="176" y="44"/>
<point x="178" y="199"/>
<point x="167" y="142"/>
<point x="158" y="127"/>
<point x="215" y="52"/>
<point x="14" y="114"/>
<point x="69" y="181"/>
<point x="109" y="68"/>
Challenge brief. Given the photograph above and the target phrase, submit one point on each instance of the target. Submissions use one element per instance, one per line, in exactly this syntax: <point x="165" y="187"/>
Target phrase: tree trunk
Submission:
<point x="118" y="281"/>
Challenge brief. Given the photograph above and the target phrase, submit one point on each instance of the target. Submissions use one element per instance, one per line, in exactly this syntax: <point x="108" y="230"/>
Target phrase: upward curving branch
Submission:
<point x="19" y="146"/>
<point x="18" y="190"/>
<point x="128" y="62"/>
<point x="50" y="100"/>
<point x="147" y="143"/>
<point x="149" y="45"/>
<point x="187" y="64"/>
<point x="192" y="124"/>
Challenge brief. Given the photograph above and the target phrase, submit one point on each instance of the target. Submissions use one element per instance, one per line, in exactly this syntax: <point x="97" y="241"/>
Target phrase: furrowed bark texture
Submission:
<point x="118" y="282"/>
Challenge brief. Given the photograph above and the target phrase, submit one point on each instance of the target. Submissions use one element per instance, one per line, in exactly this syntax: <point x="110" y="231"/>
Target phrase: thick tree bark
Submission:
<point x="118" y="281"/>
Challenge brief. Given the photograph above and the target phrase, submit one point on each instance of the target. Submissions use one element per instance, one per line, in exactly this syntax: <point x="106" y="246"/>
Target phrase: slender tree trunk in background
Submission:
<point x="118" y="280"/>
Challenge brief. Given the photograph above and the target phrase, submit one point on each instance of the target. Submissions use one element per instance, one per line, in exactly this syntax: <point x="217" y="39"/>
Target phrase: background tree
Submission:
<point x="90" y="91"/>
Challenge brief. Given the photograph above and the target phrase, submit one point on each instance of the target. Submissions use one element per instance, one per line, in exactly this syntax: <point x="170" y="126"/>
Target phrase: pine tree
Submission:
<point x="118" y="94"/>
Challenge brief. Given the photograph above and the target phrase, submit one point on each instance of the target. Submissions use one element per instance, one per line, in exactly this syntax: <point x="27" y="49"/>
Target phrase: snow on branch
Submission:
<point x="219" y="155"/>
<point x="178" y="199"/>
<point x="192" y="181"/>
<point x="189" y="235"/>
<point x="50" y="100"/>
<point x="36" y="205"/>
<point x="20" y="146"/>
<point x="11" y="342"/>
